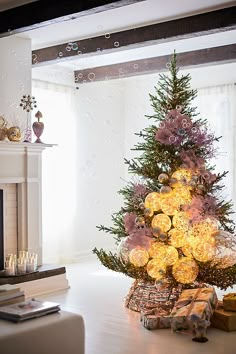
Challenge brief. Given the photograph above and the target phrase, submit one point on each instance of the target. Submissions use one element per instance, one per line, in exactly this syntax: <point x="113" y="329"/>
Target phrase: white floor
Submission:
<point x="97" y="294"/>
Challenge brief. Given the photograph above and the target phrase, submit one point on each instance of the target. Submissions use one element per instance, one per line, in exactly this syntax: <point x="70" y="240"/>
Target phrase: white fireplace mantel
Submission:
<point x="21" y="164"/>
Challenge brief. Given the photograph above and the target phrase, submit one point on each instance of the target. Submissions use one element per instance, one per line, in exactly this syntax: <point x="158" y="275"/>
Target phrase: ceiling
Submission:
<point x="8" y="4"/>
<point x="134" y="15"/>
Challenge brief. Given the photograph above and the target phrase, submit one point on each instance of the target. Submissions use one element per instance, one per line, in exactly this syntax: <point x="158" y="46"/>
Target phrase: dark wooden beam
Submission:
<point x="210" y="56"/>
<point x="210" y="22"/>
<point x="45" y="12"/>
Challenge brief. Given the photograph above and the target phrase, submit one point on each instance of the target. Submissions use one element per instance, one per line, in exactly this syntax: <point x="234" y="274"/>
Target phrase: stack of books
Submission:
<point x="27" y="310"/>
<point x="10" y="294"/>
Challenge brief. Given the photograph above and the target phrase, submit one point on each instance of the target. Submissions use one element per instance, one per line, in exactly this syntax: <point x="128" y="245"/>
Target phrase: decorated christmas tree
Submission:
<point x="175" y="226"/>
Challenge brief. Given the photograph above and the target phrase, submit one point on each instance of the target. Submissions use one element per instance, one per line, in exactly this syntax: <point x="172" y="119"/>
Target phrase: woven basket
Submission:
<point x="143" y="296"/>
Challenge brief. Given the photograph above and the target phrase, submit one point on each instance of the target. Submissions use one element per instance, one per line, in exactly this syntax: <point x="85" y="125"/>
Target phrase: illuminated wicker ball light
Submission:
<point x="138" y="257"/>
<point x="156" y="269"/>
<point x="179" y="242"/>
<point x="185" y="270"/>
<point x="177" y="238"/>
<point x="163" y="221"/>
<point x="153" y="201"/>
<point x="170" y="206"/>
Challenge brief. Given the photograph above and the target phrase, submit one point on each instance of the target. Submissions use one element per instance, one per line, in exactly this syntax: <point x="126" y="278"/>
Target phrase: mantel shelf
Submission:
<point x="13" y="143"/>
<point x="10" y="146"/>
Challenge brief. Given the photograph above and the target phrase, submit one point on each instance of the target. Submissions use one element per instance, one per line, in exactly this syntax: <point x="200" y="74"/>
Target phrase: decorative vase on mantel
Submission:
<point x="38" y="127"/>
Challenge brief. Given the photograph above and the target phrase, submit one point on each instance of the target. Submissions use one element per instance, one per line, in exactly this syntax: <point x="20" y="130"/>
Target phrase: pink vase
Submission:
<point x="38" y="128"/>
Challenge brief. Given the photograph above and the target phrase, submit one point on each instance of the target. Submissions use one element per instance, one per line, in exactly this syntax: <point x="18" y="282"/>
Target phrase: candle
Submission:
<point x="9" y="268"/>
<point x="21" y="266"/>
<point x="30" y="265"/>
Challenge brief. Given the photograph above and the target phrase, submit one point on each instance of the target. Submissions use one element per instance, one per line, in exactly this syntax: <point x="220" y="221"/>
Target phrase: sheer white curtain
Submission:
<point x="218" y="105"/>
<point x="57" y="104"/>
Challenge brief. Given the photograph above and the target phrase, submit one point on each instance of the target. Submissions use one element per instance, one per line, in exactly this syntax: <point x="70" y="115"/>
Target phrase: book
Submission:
<point x="8" y="289"/>
<point x="7" y="296"/>
<point x="27" y="310"/>
<point x="14" y="300"/>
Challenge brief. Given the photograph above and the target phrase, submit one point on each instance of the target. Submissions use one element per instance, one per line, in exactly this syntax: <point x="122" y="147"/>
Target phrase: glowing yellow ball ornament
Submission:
<point x="182" y="175"/>
<point x="181" y="221"/>
<point x="156" y="250"/>
<point x="177" y="238"/>
<point x="187" y="248"/>
<point x="138" y="257"/>
<point x="163" y="221"/>
<point x="185" y="270"/>
<point x="205" y="228"/>
<point x="182" y="195"/>
<point x="203" y="251"/>
<point x="170" y="206"/>
<point x="156" y="269"/>
<point x="153" y="201"/>
<point x="171" y="255"/>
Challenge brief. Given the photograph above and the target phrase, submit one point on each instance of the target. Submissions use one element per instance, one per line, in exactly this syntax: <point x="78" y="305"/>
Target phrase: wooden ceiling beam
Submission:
<point x="210" y="56"/>
<point x="46" y="12"/>
<point x="187" y="27"/>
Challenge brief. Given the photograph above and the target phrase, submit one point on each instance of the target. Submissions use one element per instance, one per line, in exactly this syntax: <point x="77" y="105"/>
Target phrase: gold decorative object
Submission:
<point x="140" y="221"/>
<point x="156" y="249"/>
<point x="148" y="212"/>
<point x="163" y="221"/>
<point x="165" y="190"/>
<point x="14" y="134"/>
<point x="162" y="253"/>
<point x="156" y="269"/>
<point x="182" y="176"/>
<point x="138" y="257"/>
<point x="185" y="270"/>
<point x="181" y="221"/>
<point x="171" y="255"/>
<point x="205" y="228"/>
<point x="153" y="201"/>
<point x="187" y="248"/>
<point x="177" y="238"/>
<point x="170" y="205"/>
<point x="203" y="251"/>
<point x="163" y="178"/>
<point x="156" y="231"/>
<point x="182" y="194"/>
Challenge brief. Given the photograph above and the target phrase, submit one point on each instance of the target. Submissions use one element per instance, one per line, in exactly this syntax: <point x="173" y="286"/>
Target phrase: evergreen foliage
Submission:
<point x="172" y="94"/>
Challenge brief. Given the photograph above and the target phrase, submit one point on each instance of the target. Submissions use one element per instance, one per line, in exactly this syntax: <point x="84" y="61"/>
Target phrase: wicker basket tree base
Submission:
<point x="143" y="296"/>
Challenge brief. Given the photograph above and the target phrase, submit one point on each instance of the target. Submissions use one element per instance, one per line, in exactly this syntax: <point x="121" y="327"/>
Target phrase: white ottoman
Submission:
<point x="58" y="333"/>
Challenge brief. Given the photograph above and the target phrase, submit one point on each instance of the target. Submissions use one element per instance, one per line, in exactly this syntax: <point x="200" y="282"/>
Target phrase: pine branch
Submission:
<point x="222" y="278"/>
<point x="113" y="262"/>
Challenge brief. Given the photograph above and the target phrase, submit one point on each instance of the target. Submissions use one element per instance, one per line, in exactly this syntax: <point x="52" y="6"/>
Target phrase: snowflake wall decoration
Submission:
<point x="28" y="103"/>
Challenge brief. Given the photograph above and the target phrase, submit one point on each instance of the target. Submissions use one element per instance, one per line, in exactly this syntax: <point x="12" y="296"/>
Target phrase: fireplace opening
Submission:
<point x="1" y="232"/>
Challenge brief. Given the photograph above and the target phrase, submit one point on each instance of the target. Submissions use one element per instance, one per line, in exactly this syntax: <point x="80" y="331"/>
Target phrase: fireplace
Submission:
<point x="1" y="232"/>
<point x="21" y="198"/>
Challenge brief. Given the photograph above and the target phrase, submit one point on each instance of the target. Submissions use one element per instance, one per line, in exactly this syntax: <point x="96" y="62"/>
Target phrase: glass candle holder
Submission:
<point x="10" y="268"/>
<point x="21" y="266"/>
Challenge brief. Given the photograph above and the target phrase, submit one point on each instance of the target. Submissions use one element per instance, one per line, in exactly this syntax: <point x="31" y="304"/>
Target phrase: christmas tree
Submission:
<point x="175" y="227"/>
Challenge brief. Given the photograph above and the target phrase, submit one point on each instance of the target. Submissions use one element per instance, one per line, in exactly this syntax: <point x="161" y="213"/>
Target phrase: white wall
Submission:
<point x="100" y="155"/>
<point x="15" y="78"/>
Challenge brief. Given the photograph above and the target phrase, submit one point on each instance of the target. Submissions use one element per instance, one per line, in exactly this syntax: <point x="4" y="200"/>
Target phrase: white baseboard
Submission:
<point x="85" y="256"/>
<point x="78" y="257"/>
<point x="44" y="285"/>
